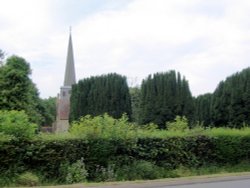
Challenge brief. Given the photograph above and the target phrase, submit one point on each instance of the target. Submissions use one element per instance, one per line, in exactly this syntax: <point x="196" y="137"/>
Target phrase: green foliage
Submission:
<point x="203" y="104"/>
<point x="231" y="100"/>
<point x="179" y="124"/>
<point x="49" y="113"/>
<point x="142" y="170"/>
<point x="229" y="105"/>
<point x="18" y="92"/>
<point x="16" y="123"/>
<point x="99" y="95"/>
<point x="5" y="138"/>
<point x="103" y="126"/>
<point x="135" y="94"/>
<point x="27" y="179"/>
<point x="163" y="97"/>
<point x="106" y="174"/>
<point x="14" y="84"/>
<point x="115" y="149"/>
<point x="183" y="171"/>
<point x="73" y="173"/>
<point x="2" y="54"/>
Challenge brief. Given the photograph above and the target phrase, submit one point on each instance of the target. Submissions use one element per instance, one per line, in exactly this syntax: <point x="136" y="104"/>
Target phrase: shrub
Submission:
<point x="16" y="123"/>
<point x="179" y="124"/>
<point x="74" y="173"/>
<point x="103" y="126"/>
<point x="27" y="179"/>
<point x="105" y="174"/>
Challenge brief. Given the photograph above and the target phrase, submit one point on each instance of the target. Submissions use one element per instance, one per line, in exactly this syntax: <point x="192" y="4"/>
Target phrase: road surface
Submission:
<point x="245" y="183"/>
<point x="242" y="181"/>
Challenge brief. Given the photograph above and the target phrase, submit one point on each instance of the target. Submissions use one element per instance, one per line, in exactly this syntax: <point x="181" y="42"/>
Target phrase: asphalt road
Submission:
<point x="241" y="181"/>
<point x="245" y="183"/>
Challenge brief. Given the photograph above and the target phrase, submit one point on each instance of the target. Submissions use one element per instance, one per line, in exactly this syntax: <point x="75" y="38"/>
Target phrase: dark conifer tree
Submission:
<point x="100" y="94"/>
<point x="230" y="104"/>
<point x="135" y="94"/>
<point x="163" y="97"/>
<point x="203" y="109"/>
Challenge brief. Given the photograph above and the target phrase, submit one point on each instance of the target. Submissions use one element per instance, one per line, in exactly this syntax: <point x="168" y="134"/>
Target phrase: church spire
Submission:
<point x="70" y="77"/>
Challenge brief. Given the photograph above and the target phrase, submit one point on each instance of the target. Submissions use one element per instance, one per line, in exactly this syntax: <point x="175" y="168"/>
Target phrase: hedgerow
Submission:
<point x="108" y="153"/>
<point x="46" y="156"/>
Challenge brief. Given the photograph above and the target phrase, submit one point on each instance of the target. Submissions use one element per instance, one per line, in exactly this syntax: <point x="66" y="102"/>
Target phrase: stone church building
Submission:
<point x="63" y="98"/>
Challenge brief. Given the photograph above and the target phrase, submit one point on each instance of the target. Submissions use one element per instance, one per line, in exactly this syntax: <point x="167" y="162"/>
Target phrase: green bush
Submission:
<point x="73" y="173"/>
<point x="103" y="126"/>
<point x="105" y="174"/>
<point x="47" y="154"/>
<point x="16" y="123"/>
<point x="76" y="172"/>
<point x="179" y="124"/>
<point x="27" y="179"/>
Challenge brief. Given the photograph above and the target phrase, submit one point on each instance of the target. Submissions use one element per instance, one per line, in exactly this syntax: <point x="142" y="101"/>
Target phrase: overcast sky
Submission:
<point x="205" y="40"/>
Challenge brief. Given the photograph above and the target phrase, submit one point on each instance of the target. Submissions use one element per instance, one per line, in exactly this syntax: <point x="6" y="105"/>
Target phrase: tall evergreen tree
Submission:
<point x="231" y="99"/>
<point x="203" y="109"/>
<point x="163" y="97"/>
<point x="135" y="94"/>
<point x="100" y="94"/>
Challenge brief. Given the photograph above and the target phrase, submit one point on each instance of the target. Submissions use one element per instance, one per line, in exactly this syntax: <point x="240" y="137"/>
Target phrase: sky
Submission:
<point x="206" y="41"/>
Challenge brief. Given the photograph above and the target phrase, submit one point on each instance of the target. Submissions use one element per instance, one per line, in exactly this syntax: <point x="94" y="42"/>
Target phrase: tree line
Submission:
<point x="160" y="98"/>
<point x="228" y="105"/>
<point x="163" y="96"/>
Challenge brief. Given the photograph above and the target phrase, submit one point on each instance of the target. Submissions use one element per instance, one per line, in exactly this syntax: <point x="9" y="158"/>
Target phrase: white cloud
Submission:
<point x="147" y="27"/>
<point x="204" y="40"/>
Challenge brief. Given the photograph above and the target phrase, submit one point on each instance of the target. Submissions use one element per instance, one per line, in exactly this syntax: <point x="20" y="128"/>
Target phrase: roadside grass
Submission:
<point x="213" y="169"/>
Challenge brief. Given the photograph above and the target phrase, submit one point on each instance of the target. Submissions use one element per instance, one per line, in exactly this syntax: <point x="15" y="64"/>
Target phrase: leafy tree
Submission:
<point x="100" y="94"/>
<point x="49" y="106"/>
<point x="18" y="92"/>
<point x="163" y="97"/>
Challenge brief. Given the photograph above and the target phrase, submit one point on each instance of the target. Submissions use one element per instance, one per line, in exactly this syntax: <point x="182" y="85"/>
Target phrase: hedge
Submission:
<point x="46" y="155"/>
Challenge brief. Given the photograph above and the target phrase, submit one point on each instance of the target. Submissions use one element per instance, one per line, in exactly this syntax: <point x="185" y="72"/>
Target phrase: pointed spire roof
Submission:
<point x="70" y="76"/>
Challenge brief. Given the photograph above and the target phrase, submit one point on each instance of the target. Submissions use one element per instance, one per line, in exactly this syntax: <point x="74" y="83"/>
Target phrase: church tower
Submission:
<point x="63" y="99"/>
